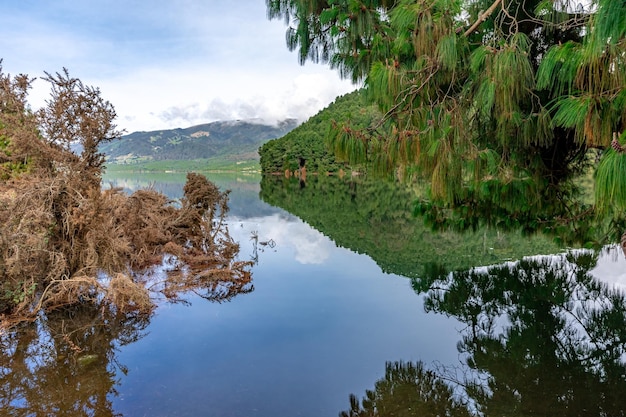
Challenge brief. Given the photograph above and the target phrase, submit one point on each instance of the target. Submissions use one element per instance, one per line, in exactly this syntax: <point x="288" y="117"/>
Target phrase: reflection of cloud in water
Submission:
<point x="310" y="246"/>
<point x="611" y="267"/>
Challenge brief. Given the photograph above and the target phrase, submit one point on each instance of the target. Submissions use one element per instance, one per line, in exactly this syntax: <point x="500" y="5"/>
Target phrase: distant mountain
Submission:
<point x="232" y="140"/>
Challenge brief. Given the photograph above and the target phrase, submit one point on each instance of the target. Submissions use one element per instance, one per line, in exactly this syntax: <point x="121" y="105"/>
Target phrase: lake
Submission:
<point x="351" y="295"/>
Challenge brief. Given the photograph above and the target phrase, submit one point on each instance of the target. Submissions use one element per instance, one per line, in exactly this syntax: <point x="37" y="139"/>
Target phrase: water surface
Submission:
<point x="320" y="324"/>
<point x="326" y="320"/>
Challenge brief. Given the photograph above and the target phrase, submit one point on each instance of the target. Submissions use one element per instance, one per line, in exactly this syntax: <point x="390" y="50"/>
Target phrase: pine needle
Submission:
<point x="610" y="187"/>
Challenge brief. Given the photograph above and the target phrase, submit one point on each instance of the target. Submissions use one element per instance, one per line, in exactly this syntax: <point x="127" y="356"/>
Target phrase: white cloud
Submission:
<point x="168" y="64"/>
<point x="310" y="246"/>
<point x="181" y="97"/>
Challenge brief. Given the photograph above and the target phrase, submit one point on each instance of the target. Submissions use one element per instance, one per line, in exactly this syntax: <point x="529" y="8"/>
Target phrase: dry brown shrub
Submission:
<point x="174" y="249"/>
<point x="128" y="295"/>
<point x="216" y="283"/>
<point x="58" y="238"/>
<point x="60" y="232"/>
<point x="146" y="217"/>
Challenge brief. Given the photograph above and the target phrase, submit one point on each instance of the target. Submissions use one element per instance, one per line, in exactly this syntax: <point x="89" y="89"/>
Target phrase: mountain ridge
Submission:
<point x="231" y="140"/>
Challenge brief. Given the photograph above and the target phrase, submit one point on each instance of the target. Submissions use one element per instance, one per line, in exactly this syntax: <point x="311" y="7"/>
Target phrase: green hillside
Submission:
<point x="307" y="144"/>
<point x="232" y="141"/>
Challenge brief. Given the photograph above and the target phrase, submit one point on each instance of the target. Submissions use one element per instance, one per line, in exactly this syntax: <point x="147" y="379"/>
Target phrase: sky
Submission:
<point x="166" y="64"/>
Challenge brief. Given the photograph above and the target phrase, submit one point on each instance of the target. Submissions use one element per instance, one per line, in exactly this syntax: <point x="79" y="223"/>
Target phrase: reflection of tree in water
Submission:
<point x="543" y="337"/>
<point x="65" y="364"/>
<point x="375" y="218"/>
<point x="407" y="390"/>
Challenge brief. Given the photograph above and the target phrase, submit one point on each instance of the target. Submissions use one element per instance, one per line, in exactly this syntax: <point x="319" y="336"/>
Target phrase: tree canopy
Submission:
<point x="495" y="103"/>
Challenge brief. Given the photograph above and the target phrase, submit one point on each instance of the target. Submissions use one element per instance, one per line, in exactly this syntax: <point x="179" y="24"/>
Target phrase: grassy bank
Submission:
<point x="195" y="165"/>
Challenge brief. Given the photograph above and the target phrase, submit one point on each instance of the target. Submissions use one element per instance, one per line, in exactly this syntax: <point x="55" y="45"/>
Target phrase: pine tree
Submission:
<point x="495" y="103"/>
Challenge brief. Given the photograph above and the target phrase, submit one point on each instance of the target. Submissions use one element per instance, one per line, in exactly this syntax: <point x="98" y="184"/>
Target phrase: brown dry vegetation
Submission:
<point x="64" y="240"/>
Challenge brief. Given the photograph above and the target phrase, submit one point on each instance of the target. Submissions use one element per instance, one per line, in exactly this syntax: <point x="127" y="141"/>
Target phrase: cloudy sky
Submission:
<point x="166" y="64"/>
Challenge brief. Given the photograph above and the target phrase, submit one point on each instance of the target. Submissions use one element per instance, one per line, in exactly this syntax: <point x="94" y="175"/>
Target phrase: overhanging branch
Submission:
<point x="482" y="17"/>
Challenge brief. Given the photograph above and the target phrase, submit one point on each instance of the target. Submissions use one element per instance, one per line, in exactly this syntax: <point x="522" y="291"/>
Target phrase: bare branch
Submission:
<point x="482" y="17"/>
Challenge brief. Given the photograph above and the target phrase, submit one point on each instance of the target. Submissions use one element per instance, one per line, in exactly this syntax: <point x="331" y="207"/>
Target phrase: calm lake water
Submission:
<point x="349" y="296"/>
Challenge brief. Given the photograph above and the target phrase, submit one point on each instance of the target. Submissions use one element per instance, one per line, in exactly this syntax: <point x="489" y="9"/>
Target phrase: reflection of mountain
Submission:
<point x="243" y="200"/>
<point x="374" y="218"/>
<point x="543" y="338"/>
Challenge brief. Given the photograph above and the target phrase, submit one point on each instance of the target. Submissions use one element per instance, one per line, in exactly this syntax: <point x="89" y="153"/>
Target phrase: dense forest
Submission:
<point x="306" y="146"/>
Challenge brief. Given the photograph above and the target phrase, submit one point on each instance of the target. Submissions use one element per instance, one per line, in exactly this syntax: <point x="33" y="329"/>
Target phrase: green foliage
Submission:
<point x="533" y="84"/>
<point x="16" y="121"/>
<point x="18" y="293"/>
<point x="347" y="34"/>
<point x="307" y="144"/>
<point x="4" y="143"/>
<point x="9" y="166"/>
<point x="558" y="68"/>
<point x="13" y="168"/>
<point x="610" y="184"/>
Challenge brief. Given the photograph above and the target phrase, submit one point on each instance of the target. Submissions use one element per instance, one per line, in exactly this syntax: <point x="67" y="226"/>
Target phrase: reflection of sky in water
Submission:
<point x="611" y="267"/>
<point x="320" y="324"/>
<point x="308" y="245"/>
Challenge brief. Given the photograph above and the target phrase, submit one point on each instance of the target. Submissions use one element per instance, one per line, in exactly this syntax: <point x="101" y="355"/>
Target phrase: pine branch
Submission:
<point x="482" y="18"/>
